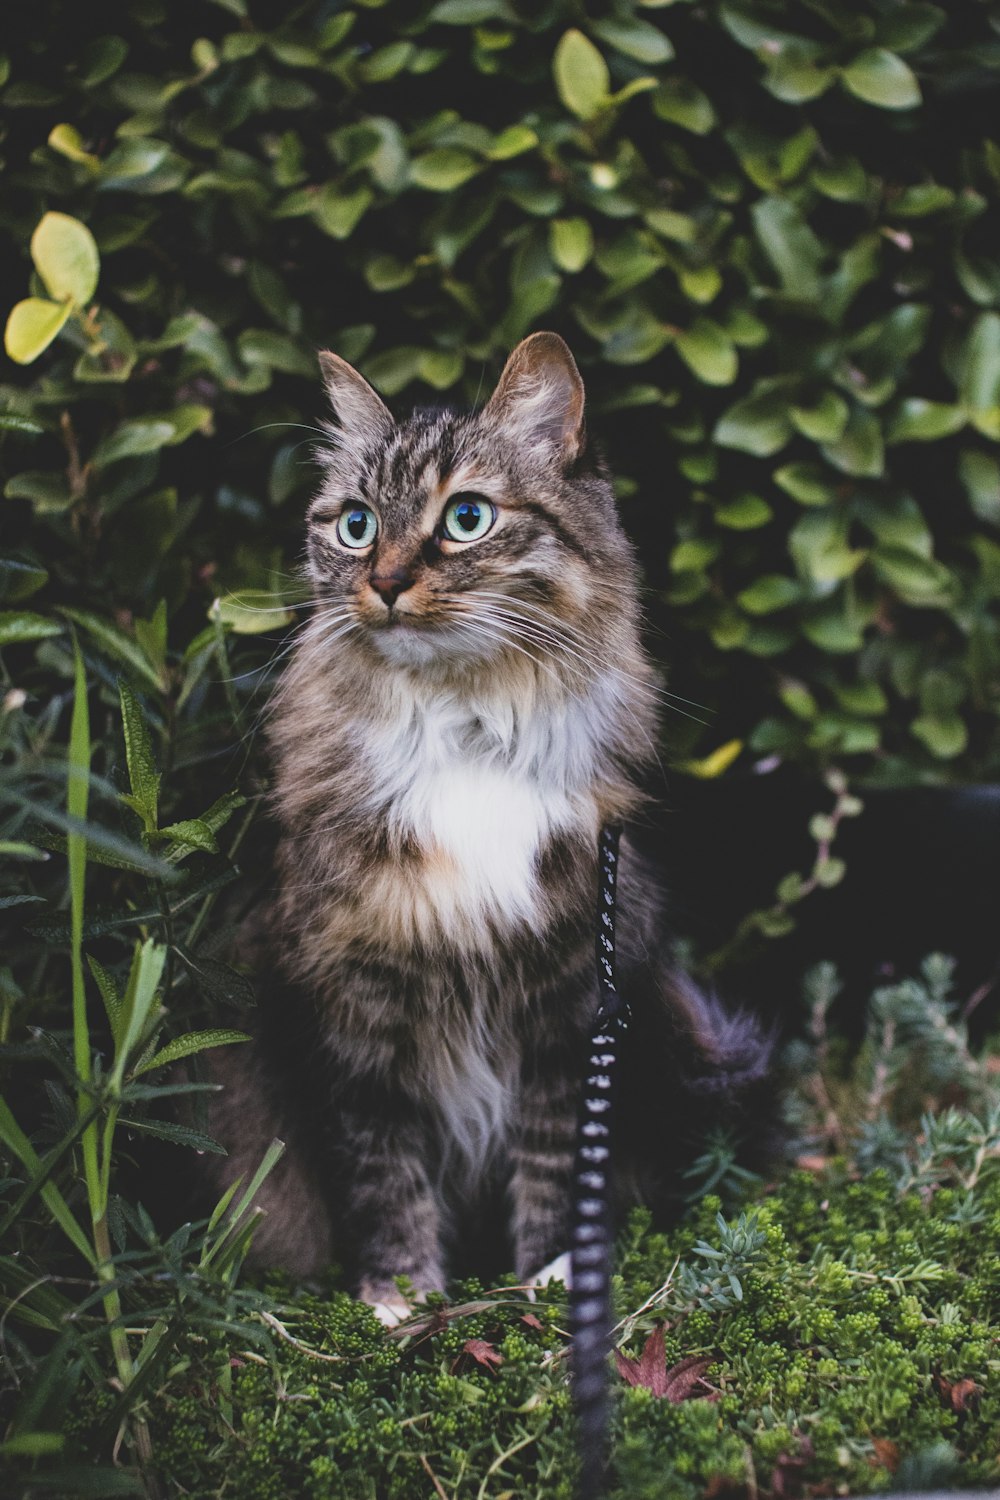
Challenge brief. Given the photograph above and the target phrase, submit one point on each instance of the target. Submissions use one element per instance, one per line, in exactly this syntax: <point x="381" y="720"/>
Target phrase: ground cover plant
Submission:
<point x="838" y="1332"/>
<point x="769" y="234"/>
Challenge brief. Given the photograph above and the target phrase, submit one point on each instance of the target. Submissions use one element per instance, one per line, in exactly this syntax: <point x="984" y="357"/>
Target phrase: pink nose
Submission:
<point x="389" y="586"/>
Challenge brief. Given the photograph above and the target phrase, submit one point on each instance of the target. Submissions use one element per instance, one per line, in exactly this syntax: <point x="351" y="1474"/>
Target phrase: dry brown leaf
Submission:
<point x="886" y="1454"/>
<point x="959" y="1394"/>
<point x="677" y="1384"/>
<point x="483" y="1353"/>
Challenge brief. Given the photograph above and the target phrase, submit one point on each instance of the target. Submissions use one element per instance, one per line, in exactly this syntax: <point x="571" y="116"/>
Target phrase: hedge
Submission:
<point x="768" y="231"/>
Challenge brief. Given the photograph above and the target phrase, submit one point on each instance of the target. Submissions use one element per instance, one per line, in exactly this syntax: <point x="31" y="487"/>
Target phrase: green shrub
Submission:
<point x="768" y="231"/>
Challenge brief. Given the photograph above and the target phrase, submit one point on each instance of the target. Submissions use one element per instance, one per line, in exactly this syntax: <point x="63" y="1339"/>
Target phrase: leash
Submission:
<point x="592" y="1238"/>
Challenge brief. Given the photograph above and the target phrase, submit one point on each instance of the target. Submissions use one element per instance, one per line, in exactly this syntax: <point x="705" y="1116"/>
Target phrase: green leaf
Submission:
<point x="10" y="422"/>
<point x="744" y="514"/>
<point x="186" y="1046"/>
<point x="148" y="960"/>
<point x="251" y="612"/>
<point x="191" y="833"/>
<point x="757" y="424"/>
<point x="17" y="626"/>
<point x="19" y="580"/>
<point x="945" y="735"/>
<point x="708" y="352"/>
<point x="678" y="101"/>
<point x="859" y="450"/>
<point x="824" y="422"/>
<point x="114" y="640"/>
<point x="917" y="420"/>
<point x="832" y="630"/>
<point x="470" y="12"/>
<point x="440" y="367"/>
<point x="771" y="592"/>
<point x="790" y="246"/>
<point x="144" y="778"/>
<point x="31" y="327"/>
<point x="443" y="170"/>
<point x="513" y="141"/>
<point x="880" y="77"/>
<point x="48" y="493"/>
<point x="132" y="439"/>
<point x="338" y="214"/>
<point x="109" y="994"/>
<point x="581" y="74"/>
<point x="637" y="39"/>
<point x="66" y="258"/>
<point x="980" y="475"/>
<point x="178" y="1135"/>
<point x="795" y="76"/>
<point x="221" y="811"/>
<point x="980" y="363"/>
<point x="819" y="545"/>
<point x="806" y="483"/>
<point x="919" y="581"/>
<point x="68" y="141"/>
<point x="571" y="243"/>
<point x="16" y="1141"/>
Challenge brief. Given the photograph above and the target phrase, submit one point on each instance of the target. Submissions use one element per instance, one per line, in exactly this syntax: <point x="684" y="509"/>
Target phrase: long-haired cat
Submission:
<point x="467" y="706"/>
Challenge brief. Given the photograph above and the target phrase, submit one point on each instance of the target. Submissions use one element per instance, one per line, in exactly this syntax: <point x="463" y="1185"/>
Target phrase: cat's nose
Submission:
<point x="389" y="586"/>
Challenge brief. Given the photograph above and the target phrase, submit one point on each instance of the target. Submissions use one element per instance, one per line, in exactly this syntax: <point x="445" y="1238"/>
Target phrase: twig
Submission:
<point x="282" y="1332"/>
<point x="435" y="1481"/>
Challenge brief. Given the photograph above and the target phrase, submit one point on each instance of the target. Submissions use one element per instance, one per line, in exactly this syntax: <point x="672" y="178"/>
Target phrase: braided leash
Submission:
<point x="593" y="1229"/>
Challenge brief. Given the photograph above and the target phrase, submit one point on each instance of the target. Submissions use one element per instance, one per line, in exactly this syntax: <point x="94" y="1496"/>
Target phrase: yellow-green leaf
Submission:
<point x="66" y="258"/>
<point x="581" y="75"/>
<point x="715" y="764"/>
<point x="32" y="326"/>
<point x="68" y="141"/>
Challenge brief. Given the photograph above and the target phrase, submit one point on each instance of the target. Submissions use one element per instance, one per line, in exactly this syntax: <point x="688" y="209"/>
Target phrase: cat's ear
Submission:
<point x="540" y="397"/>
<point x="358" y="408"/>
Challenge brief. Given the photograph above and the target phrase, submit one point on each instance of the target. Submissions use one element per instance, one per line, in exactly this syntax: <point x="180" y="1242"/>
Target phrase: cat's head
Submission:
<point x="451" y="538"/>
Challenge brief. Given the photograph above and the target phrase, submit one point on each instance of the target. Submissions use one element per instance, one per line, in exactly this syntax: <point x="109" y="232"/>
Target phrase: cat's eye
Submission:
<point x="357" y="526"/>
<point x="467" y="518"/>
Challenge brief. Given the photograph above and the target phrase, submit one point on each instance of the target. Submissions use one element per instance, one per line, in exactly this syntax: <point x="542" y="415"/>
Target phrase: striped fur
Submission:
<point x="457" y="722"/>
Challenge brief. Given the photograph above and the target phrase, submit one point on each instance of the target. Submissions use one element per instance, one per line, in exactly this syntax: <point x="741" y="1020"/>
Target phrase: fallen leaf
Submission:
<point x="886" y="1454"/>
<point x="677" y="1384"/>
<point x="532" y="1321"/>
<point x="483" y="1353"/>
<point x="960" y="1394"/>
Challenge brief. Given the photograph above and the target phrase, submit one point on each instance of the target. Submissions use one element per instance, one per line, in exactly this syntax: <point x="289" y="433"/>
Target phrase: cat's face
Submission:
<point x="449" y="537"/>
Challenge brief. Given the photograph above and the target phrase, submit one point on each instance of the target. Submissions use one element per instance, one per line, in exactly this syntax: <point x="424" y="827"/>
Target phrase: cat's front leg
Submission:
<point x="542" y="1159"/>
<point x="391" y="1212"/>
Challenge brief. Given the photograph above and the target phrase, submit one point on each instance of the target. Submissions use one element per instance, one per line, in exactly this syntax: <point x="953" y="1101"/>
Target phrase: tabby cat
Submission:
<point x="467" y="706"/>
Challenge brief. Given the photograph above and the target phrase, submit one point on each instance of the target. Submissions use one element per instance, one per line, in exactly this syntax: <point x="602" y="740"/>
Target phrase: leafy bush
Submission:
<point x="768" y="230"/>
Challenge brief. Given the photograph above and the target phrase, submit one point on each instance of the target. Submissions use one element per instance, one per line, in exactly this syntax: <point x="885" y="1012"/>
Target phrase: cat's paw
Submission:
<point x="386" y="1302"/>
<point x="556" y="1270"/>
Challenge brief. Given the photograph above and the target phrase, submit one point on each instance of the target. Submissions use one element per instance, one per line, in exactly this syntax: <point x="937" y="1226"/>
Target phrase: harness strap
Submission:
<point x="592" y="1234"/>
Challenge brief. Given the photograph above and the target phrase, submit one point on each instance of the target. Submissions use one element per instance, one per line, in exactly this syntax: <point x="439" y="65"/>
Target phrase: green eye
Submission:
<point x="357" y="526"/>
<point x="467" y="518"/>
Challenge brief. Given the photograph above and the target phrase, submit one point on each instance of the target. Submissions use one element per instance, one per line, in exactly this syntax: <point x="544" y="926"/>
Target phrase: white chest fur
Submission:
<point x="480" y="790"/>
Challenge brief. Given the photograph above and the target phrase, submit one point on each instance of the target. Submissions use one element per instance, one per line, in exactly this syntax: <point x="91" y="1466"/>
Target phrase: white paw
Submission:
<point x="391" y="1308"/>
<point x="391" y="1313"/>
<point x="556" y="1270"/>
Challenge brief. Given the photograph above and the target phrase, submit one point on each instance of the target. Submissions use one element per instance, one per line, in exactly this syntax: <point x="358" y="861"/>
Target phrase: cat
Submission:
<point x="468" y="704"/>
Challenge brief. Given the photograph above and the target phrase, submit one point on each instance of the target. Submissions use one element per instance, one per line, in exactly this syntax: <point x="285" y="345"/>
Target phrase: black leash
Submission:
<point x="592" y="1240"/>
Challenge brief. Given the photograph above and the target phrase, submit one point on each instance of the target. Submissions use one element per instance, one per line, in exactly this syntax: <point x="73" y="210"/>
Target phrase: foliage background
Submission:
<point x="769" y="233"/>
